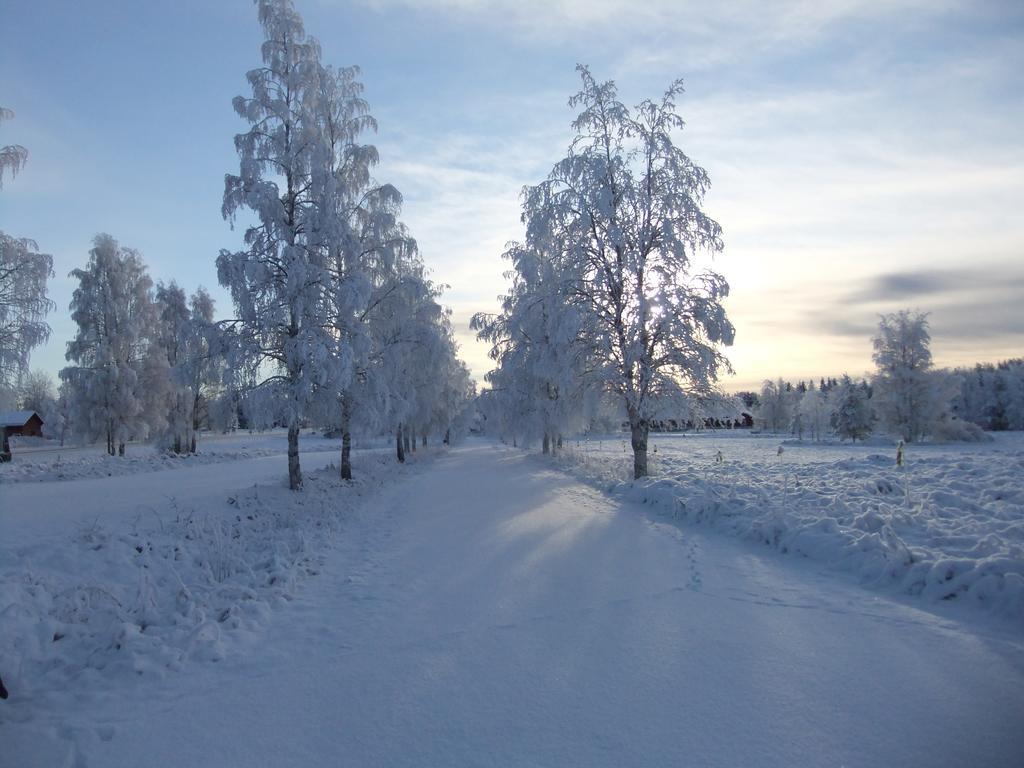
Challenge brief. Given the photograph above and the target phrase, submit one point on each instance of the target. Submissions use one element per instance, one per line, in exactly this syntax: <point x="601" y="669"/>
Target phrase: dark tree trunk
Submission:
<point x="547" y="444"/>
<point x="294" y="472"/>
<point x="424" y="443"/>
<point x="195" y="424"/>
<point x="400" y="447"/>
<point x="346" y="438"/>
<point x="447" y="437"/>
<point x="346" y="455"/>
<point x="638" y="437"/>
<point x="411" y="437"/>
<point x="120" y="448"/>
<point x="559" y="441"/>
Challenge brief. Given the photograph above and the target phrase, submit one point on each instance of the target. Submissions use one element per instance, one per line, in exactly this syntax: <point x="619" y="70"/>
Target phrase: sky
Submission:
<point x="864" y="156"/>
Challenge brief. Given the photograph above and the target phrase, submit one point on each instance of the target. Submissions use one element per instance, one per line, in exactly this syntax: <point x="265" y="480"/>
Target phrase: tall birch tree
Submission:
<point x="625" y="207"/>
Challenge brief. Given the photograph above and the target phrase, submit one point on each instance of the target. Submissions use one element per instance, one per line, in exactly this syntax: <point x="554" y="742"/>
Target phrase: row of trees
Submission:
<point x="606" y="311"/>
<point x="841" y="407"/>
<point x="142" y="358"/>
<point x="336" y="323"/>
<point x="907" y="396"/>
<point x="335" y="318"/>
<point x="992" y="396"/>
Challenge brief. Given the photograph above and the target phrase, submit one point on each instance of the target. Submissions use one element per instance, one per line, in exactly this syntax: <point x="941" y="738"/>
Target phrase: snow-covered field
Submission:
<point x="947" y="525"/>
<point x="38" y="459"/>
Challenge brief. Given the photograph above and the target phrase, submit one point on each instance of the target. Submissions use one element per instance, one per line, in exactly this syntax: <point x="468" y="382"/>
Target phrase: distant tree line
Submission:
<point x="992" y="395"/>
<point x="906" y="396"/>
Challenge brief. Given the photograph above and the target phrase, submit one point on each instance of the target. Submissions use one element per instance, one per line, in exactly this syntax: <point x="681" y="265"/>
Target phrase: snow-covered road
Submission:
<point x="489" y="611"/>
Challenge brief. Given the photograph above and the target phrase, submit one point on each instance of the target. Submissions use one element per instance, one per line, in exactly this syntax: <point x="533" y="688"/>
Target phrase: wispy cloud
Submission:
<point x="791" y="20"/>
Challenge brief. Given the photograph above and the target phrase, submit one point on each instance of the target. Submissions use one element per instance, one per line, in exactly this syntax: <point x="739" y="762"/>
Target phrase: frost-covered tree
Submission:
<point x="367" y="253"/>
<point x="184" y="338"/>
<point x="409" y="341"/>
<point x="56" y="415"/>
<point x="12" y="156"/>
<point x="23" y="300"/>
<point x="24" y="272"/>
<point x="537" y="342"/>
<point x="36" y="391"/>
<point x="1012" y="375"/>
<point x="775" y="411"/>
<point x="201" y="369"/>
<point x="277" y="281"/>
<point x="623" y="208"/>
<point x="115" y="377"/>
<point x="453" y="409"/>
<point x="172" y="314"/>
<point x="815" y="412"/>
<point x="909" y="396"/>
<point x="851" y="409"/>
<point x="991" y="396"/>
<point x="509" y="408"/>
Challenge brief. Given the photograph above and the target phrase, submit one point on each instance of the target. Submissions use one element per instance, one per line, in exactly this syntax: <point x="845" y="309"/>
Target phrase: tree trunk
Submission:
<point x="547" y="444"/>
<point x="120" y="448"/>
<point x="559" y="441"/>
<point x="405" y="438"/>
<point x="195" y="424"/>
<point x="294" y="472"/>
<point x="638" y="437"/>
<point x="346" y="438"/>
<point x="398" y="445"/>
<point x="412" y="440"/>
<point x="447" y="437"/>
<point x="424" y="443"/>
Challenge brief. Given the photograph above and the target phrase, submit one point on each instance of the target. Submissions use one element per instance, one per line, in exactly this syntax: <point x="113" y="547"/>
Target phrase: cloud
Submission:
<point x="690" y="21"/>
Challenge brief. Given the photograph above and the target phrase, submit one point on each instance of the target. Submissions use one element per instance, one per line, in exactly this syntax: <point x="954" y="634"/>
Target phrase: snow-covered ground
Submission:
<point x="947" y="525"/>
<point x="39" y="459"/>
<point x="477" y="609"/>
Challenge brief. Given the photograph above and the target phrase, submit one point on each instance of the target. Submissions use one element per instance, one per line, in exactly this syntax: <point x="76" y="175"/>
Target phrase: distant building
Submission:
<point x="26" y="423"/>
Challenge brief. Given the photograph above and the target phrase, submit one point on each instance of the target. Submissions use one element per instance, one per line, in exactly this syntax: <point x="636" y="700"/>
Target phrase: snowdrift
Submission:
<point x="103" y="606"/>
<point x="142" y="459"/>
<point x="947" y="526"/>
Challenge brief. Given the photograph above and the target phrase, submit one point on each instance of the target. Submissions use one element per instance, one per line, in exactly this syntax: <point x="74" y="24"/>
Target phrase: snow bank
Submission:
<point x="143" y="459"/>
<point x="181" y="584"/>
<point x="949" y="525"/>
<point x="52" y="462"/>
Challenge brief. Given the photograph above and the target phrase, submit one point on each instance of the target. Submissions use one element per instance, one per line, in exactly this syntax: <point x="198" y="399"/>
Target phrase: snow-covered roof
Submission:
<point x="16" y="418"/>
